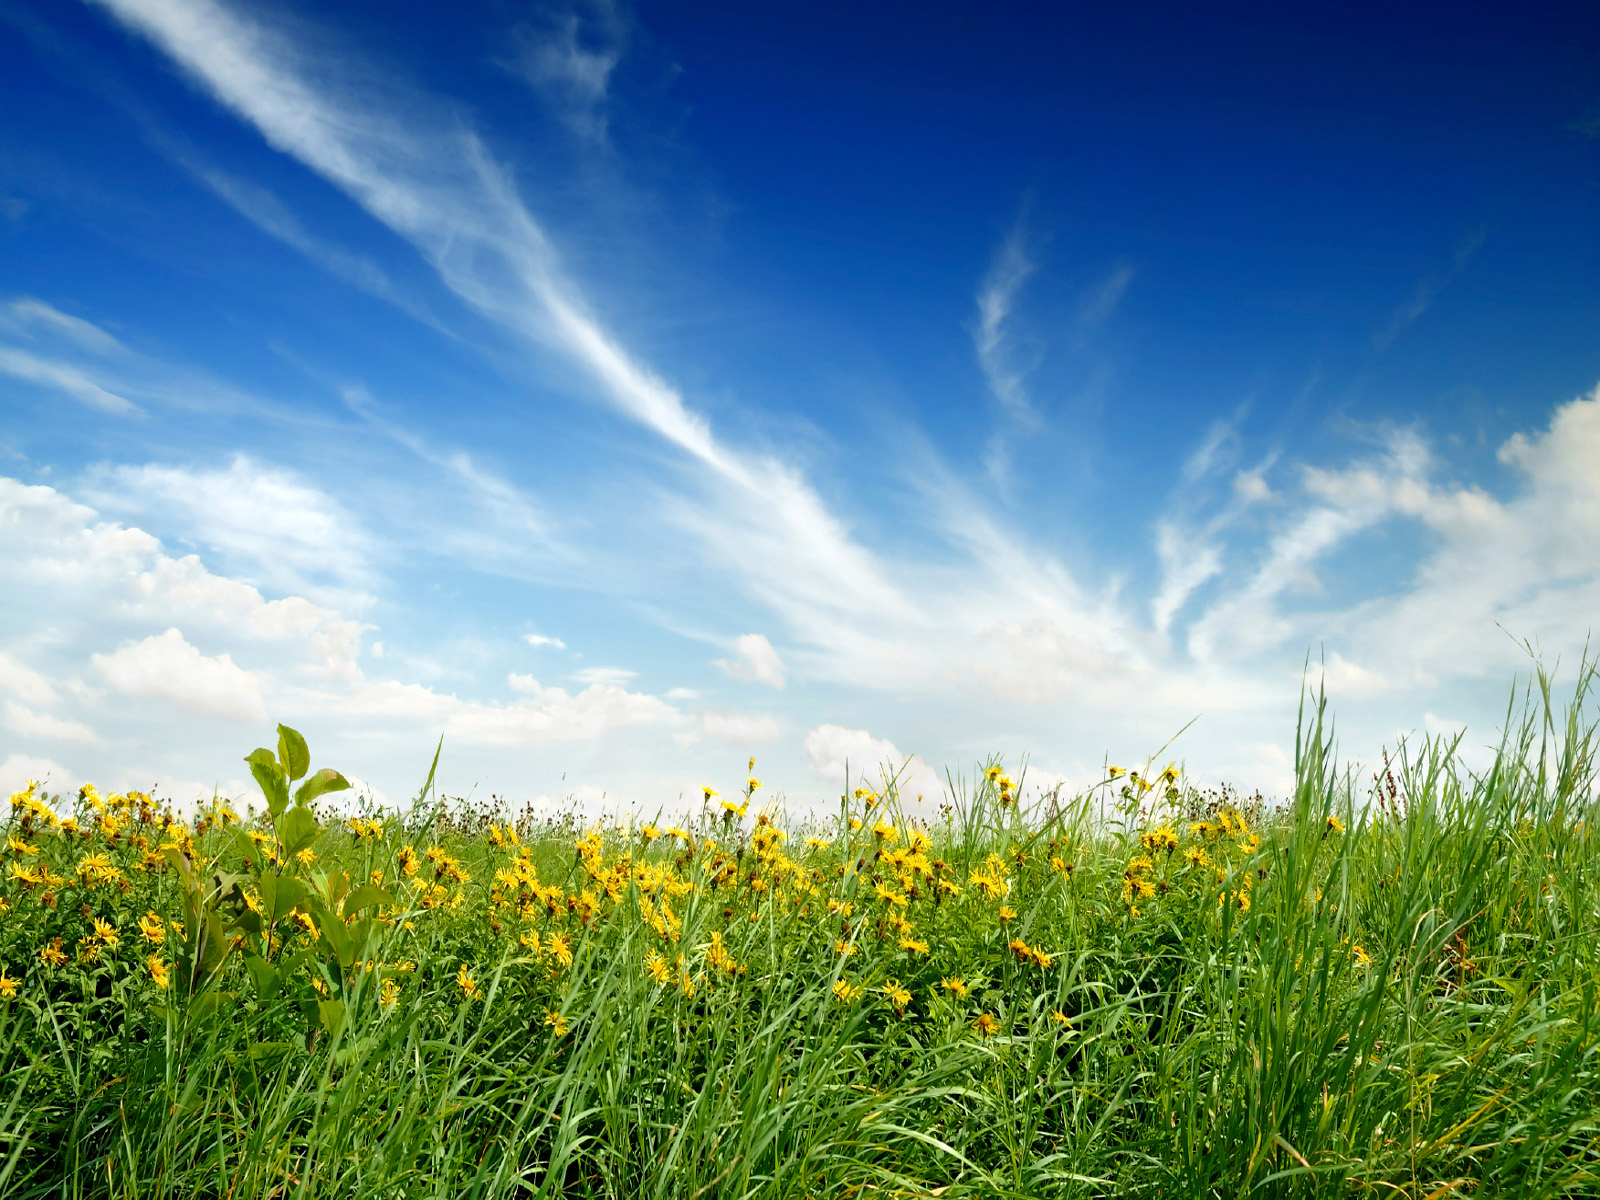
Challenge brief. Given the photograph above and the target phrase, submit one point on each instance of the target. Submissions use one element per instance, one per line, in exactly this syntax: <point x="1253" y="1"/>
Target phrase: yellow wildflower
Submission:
<point x="158" y="971"/>
<point x="912" y="946"/>
<point x="899" y="996"/>
<point x="155" y="931"/>
<point x="555" y="1021"/>
<point x="956" y="986"/>
<point x="8" y="986"/>
<point x="986" y="1025"/>
<point x="105" y="931"/>
<point x="52" y="955"/>
<point x="844" y="991"/>
<point x="464" y="981"/>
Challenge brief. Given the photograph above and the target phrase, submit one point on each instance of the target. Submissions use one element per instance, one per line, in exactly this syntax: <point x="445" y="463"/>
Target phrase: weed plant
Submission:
<point x="1386" y="989"/>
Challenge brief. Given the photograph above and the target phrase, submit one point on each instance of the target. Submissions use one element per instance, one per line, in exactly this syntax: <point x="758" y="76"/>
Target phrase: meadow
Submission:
<point x="1386" y="984"/>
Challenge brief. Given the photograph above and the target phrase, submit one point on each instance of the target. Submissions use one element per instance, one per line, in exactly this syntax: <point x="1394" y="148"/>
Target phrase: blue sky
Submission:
<point x="624" y="391"/>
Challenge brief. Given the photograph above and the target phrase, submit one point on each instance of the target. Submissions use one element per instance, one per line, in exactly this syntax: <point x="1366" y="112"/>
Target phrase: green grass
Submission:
<point x="1407" y="1006"/>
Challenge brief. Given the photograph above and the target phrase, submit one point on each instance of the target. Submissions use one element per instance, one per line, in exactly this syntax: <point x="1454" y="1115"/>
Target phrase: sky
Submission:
<point x="623" y="392"/>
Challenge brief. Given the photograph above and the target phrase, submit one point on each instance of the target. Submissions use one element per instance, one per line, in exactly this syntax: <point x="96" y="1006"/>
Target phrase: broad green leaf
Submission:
<point x="325" y="780"/>
<point x="338" y="939"/>
<point x="264" y="976"/>
<point x="334" y="888"/>
<point x="297" y="829"/>
<point x="292" y="752"/>
<point x="270" y="778"/>
<point x="367" y="896"/>
<point x="332" y="1014"/>
<point x="281" y="894"/>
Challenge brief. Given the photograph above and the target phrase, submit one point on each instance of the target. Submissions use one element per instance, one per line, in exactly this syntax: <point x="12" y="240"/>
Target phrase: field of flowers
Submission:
<point x="1387" y="986"/>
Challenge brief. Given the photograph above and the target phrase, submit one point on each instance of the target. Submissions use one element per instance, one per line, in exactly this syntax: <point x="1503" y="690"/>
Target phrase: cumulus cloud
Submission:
<point x="18" y="770"/>
<point x="538" y="639"/>
<point x="29" y="724"/>
<point x="755" y="661"/>
<point x="740" y="727"/>
<point x="612" y="676"/>
<point x="166" y="665"/>
<point x="22" y="681"/>
<point x="847" y="757"/>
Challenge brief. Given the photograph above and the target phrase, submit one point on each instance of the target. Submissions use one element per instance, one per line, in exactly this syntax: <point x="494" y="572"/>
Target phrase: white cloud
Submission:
<point x="550" y="714"/>
<point x="1010" y="269"/>
<point x="277" y="526"/>
<point x="19" y="769"/>
<point x="570" y="63"/>
<point x="755" y="661"/>
<point x="167" y="665"/>
<point x="29" y="724"/>
<point x="64" y="378"/>
<point x="852" y="756"/>
<point x="23" y="682"/>
<point x="27" y="314"/>
<point x="612" y="676"/>
<point x="740" y="727"/>
<point x="538" y="639"/>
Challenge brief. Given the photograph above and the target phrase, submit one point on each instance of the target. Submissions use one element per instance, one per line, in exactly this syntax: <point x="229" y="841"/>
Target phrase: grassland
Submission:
<point x="1383" y="985"/>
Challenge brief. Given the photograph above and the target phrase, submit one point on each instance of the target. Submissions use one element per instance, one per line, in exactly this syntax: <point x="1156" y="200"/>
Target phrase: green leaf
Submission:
<point x="281" y="894"/>
<point x="334" y="888"/>
<point x="367" y="896"/>
<point x="267" y="980"/>
<point x="297" y="829"/>
<point x="338" y="939"/>
<point x="251" y="852"/>
<point x="332" y="1014"/>
<point x="293" y="753"/>
<point x="274" y="784"/>
<point x="428" y="784"/>
<point x="325" y="780"/>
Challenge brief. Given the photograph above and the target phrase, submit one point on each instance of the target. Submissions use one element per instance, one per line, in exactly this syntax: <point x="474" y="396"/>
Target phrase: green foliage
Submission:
<point x="1148" y="990"/>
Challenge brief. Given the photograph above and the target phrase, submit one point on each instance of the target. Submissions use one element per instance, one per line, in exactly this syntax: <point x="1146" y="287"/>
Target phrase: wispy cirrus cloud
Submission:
<point x="1427" y="290"/>
<point x="569" y="58"/>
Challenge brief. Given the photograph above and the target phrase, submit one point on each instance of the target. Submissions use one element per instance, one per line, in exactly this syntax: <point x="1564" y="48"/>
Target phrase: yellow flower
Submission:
<point x="816" y="843"/>
<point x="306" y="857"/>
<point x="888" y="895"/>
<point x="1061" y="1018"/>
<point x="464" y="981"/>
<point x="986" y="1025"/>
<point x="899" y="996"/>
<point x="8" y="986"/>
<point x="843" y="947"/>
<point x="855" y="824"/>
<point x="155" y="932"/>
<point x="737" y="810"/>
<point x="555" y="1021"/>
<point x="844" y="992"/>
<point x="1359" y="953"/>
<point x="158" y="971"/>
<point x="560" y="947"/>
<point x="956" y="986"/>
<point x="303" y="919"/>
<point x="710" y="792"/>
<point x="657" y="967"/>
<point x="105" y="931"/>
<point x="52" y="955"/>
<point x="1007" y="913"/>
<point x="912" y="946"/>
<point x="1115" y="772"/>
<point x="391" y="993"/>
<point x="18" y="846"/>
<point x="649" y="832"/>
<point x="1335" y="825"/>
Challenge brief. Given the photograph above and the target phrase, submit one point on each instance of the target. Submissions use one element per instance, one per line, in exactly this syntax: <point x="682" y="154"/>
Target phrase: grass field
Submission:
<point x="1386" y="986"/>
